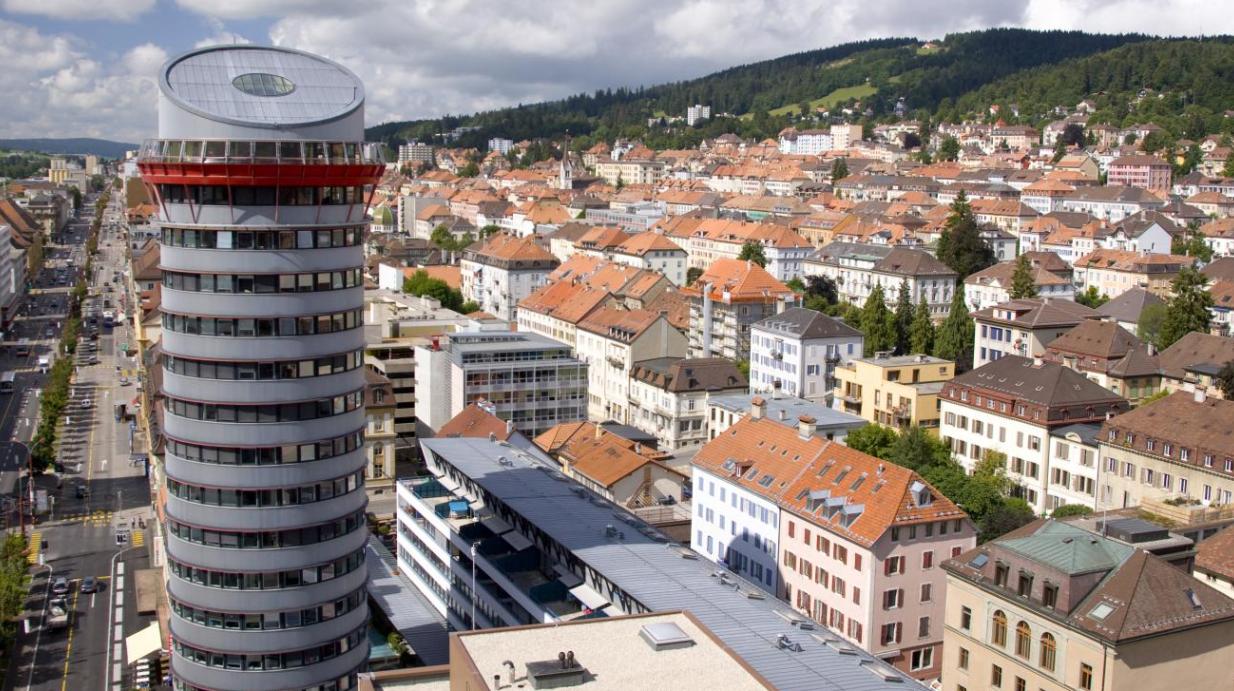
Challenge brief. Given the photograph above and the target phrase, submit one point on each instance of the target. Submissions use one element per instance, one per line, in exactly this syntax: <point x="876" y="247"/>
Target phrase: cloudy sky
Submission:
<point x="86" y="68"/>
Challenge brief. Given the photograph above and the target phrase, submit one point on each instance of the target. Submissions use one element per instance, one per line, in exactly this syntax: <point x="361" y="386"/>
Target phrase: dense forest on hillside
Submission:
<point x="1188" y="85"/>
<point x="15" y="166"/>
<point x="926" y="78"/>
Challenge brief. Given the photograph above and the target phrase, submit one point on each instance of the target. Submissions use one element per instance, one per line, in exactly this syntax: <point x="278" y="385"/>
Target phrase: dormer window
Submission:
<point x="1001" y="572"/>
<point x="1049" y="595"/>
<point x="1025" y="587"/>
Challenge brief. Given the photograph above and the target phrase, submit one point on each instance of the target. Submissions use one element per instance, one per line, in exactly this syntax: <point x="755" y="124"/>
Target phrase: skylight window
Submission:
<point x="765" y="481"/>
<point x="263" y="84"/>
<point x="979" y="561"/>
<point x="1101" y="611"/>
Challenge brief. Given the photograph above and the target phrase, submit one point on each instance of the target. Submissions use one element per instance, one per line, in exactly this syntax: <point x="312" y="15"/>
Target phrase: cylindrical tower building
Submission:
<point x="262" y="178"/>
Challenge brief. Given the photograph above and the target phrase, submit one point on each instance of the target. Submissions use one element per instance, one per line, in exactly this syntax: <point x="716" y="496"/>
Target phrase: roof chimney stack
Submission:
<point x="805" y="426"/>
<point x="757" y="407"/>
<point x="1200" y="395"/>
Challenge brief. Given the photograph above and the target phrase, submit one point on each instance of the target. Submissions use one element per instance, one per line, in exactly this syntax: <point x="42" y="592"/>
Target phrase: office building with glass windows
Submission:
<point x="262" y="181"/>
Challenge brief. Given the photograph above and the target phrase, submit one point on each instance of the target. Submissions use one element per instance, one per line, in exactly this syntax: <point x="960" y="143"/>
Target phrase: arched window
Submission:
<point x="1047" y="652"/>
<point x="1023" y="639"/>
<point x="998" y="630"/>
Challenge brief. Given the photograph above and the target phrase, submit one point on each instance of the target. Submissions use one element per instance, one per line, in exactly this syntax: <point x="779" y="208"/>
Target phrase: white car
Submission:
<point x="85" y="403"/>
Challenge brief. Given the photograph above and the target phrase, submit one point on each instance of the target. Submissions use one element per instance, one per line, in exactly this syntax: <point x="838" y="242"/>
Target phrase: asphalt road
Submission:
<point x="79" y="536"/>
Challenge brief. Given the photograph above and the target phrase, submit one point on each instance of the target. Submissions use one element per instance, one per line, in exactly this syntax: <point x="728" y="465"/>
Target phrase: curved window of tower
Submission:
<point x="262" y="84"/>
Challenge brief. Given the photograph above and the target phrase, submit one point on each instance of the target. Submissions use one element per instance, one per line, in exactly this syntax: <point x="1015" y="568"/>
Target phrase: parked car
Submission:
<point x="89" y="584"/>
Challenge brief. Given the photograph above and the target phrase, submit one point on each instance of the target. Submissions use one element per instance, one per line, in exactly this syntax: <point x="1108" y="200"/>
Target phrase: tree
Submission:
<point x="1191" y="244"/>
<point x="469" y="171"/>
<point x="954" y="340"/>
<point x="1188" y="309"/>
<point x="821" y="292"/>
<point x="1069" y="510"/>
<point x="692" y="275"/>
<point x="1073" y="134"/>
<point x="1148" y="328"/>
<point x="76" y="194"/>
<point x="1022" y="283"/>
<point x="872" y="439"/>
<point x="1091" y="299"/>
<point x="839" y="170"/>
<point x="921" y="338"/>
<point x="753" y="251"/>
<point x="489" y="230"/>
<point x="795" y="284"/>
<point x="1060" y="150"/>
<point x="877" y="323"/>
<point x="1005" y="517"/>
<point x="1227" y="170"/>
<point x="960" y="246"/>
<point x="917" y="449"/>
<point x="469" y="307"/>
<point x="904" y="320"/>
<point x="1225" y="380"/>
<point x="949" y="149"/>
<point x="421" y="284"/>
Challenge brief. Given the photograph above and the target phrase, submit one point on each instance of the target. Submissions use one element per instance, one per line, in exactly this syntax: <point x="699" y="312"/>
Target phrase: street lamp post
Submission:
<point x="21" y="496"/>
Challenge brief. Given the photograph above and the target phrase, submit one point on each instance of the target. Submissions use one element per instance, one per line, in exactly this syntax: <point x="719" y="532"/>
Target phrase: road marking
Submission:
<point x="68" y="648"/>
<point x="119" y="583"/>
<point x="92" y="599"/>
<point x="36" y="544"/>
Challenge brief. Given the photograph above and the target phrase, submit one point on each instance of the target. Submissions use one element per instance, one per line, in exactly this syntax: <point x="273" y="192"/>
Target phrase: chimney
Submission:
<point x="436" y="343"/>
<point x="805" y="426"/>
<point x="757" y="407"/>
<point x="509" y="427"/>
<point x="776" y="387"/>
<point x="1037" y="362"/>
<point x="783" y="415"/>
<point x="599" y="431"/>
<point x="1199" y="396"/>
<point x="781" y="304"/>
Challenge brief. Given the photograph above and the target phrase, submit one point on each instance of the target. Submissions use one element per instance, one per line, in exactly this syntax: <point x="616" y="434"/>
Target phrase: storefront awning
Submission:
<point x="142" y="643"/>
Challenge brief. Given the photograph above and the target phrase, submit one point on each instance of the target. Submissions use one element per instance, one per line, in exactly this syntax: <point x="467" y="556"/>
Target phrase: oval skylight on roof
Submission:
<point x="263" y="84"/>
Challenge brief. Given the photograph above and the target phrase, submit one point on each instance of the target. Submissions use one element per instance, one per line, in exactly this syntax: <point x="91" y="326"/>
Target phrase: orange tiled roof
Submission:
<point x="640" y="244"/>
<point x="622" y="325"/>
<point x="795" y="466"/>
<point x="742" y="280"/>
<point x="475" y="422"/>
<point x="511" y="247"/>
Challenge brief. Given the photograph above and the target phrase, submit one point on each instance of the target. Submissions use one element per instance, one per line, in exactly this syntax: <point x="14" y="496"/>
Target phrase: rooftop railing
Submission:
<point x="236" y="151"/>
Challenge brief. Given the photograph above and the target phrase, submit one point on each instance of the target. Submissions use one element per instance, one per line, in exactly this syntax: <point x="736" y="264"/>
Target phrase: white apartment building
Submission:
<point x="796" y="351"/>
<point x="652" y="251"/>
<point x="415" y="152"/>
<point x="735" y="526"/>
<point x="668" y="397"/>
<point x="844" y="136"/>
<point x="500" y="145"/>
<point x="1073" y="466"/>
<point x="857" y="268"/>
<point x="502" y="271"/>
<point x="610" y="341"/>
<point x="697" y="113"/>
<point x="805" y="142"/>
<point x="1011" y="406"/>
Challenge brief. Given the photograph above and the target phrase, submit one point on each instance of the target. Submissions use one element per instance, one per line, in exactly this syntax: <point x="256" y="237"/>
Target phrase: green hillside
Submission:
<point x="879" y="72"/>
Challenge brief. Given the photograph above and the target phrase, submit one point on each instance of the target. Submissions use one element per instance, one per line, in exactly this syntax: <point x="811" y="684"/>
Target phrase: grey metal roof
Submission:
<point x="826" y="418"/>
<point x="422" y="627"/>
<point x="204" y="82"/>
<point x="807" y="324"/>
<point x="642" y="564"/>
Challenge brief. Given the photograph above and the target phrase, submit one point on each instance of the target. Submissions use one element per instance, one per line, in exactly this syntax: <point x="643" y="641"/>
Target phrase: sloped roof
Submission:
<point x="1128" y="305"/>
<point x="640" y="244"/>
<point x="741" y="279"/>
<point x="1099" y="339"/>
<point x="682" y="375"/>
<point x="1046" y="384"/>
<point x="776" y="462"/>
<point x="807" y="324"/>
<point x="474" y="421"/>
<point x="1216" y="554"/>
<point x="618" y="324"/>
<point x="1193" y="349"/>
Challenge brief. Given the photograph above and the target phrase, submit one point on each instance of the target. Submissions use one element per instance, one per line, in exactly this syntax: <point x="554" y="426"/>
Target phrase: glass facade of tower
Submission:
<point x="262" y="182"/>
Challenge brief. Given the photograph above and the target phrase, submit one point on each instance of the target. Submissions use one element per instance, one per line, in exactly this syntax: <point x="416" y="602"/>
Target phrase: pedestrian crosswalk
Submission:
<point x="99" y="517"/>
<point x="36" y="545"/>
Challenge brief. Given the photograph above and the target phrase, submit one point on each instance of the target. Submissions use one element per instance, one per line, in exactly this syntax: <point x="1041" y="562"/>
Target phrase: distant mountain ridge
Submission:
<point x="930" y="76"/>
<point x="74" y="145"/>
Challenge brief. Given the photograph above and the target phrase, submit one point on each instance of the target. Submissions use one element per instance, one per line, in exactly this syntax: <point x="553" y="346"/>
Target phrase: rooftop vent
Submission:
<point x="563" y="672"/>
<point x="665" y="636"/>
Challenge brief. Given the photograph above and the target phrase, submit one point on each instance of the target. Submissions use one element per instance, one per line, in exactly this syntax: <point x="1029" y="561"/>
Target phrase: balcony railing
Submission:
<point x="256" y="152"/>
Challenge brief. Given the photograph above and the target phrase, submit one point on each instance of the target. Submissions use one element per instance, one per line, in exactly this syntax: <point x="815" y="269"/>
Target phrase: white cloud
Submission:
<point x="424" y="58"/>
<point x="222" y="38"/>
<point x="54" y="89"/>
<point x="120" y="10"/>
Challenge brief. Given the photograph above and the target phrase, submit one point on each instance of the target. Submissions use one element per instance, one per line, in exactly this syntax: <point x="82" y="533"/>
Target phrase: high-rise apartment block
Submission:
<point x="262" y="179"/>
